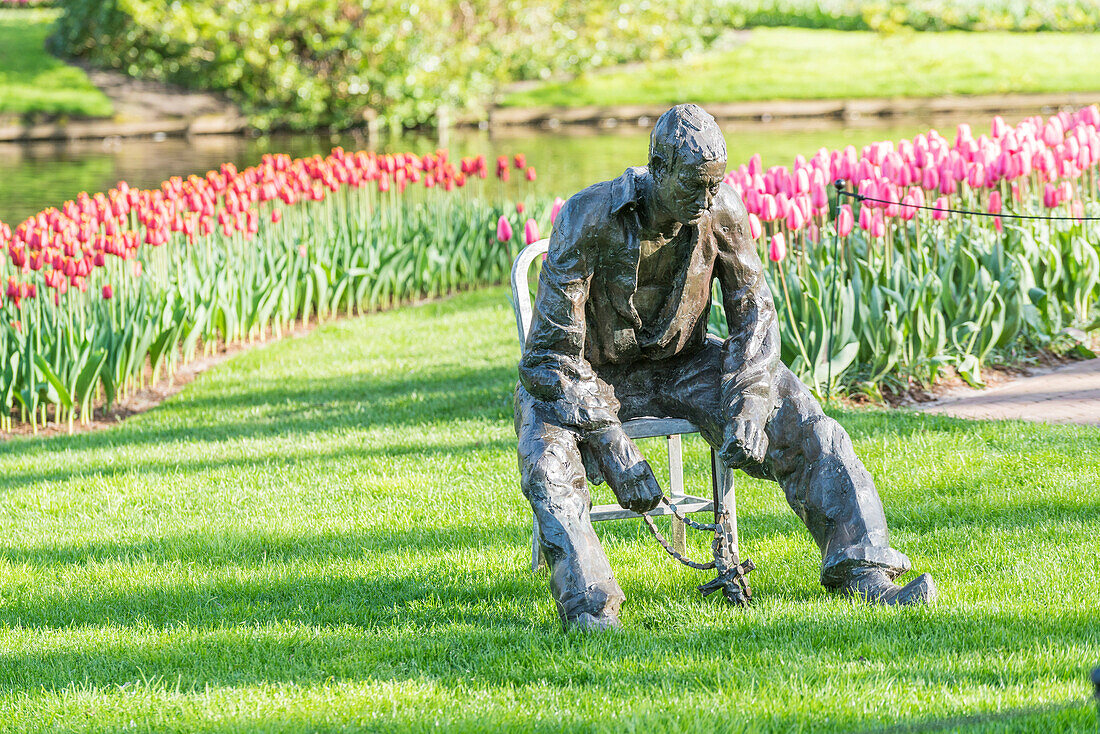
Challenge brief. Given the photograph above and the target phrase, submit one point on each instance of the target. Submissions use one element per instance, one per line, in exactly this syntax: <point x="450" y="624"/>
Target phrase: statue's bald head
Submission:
<point x="686" y="133"/>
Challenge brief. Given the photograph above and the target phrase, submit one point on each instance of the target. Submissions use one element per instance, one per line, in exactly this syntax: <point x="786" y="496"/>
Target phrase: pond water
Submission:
<point x="38" y="175"/>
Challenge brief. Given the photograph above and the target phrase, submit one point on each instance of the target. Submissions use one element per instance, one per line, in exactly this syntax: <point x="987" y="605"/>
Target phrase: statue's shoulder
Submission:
<point x="589" y="211"/>
<point x="728" y="203"/>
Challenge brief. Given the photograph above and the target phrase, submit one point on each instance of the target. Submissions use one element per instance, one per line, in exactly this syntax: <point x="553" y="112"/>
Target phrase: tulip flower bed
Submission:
<point x="906" y="291"/>
<point x="116" y="289"/>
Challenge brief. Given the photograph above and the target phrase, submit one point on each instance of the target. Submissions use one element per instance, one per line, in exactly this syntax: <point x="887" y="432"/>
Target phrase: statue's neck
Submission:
<point x="657" y="223"/>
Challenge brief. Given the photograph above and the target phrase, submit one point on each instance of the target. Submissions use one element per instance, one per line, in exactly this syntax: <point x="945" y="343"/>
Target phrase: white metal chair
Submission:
<point x="722" y="481"/>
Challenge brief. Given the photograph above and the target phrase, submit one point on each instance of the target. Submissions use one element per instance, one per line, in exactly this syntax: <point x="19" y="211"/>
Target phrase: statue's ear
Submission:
<point x="658" y="166"/>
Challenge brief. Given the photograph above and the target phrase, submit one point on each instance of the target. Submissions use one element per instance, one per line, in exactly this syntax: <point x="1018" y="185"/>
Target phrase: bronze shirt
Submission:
<point x="586" y="314"/>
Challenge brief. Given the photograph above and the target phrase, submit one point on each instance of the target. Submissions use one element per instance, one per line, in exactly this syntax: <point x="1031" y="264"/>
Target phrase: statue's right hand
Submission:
<point x="625" y="469"/>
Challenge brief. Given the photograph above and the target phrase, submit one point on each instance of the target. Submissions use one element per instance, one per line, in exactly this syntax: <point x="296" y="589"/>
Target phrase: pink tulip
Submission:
<point x="995" y="202"/>
<point x="531" y="231"/>
<point x="755" y="228"/>
<point x="769" y="209"/>
<point x="819" y="197"/>
<point x="844" y="220"/>
<point x="998" y="127"/>
<point x="940" y="203"/>
<point x="878" y="225"/>
<point x="1050" y="196"/>
<point x="777" y="250"/>
<point x="930" y="179"/>
<point x="865" y="218"/>
<point x="556" y="209"/>
<point x="504" y="229"/>
<point x="795" y="220"/>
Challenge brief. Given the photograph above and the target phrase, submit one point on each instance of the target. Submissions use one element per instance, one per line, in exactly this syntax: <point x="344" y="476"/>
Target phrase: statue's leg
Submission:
<point x="553" y="480"/>
<point x="809" y="454"/>
<point x="812" y="458"/>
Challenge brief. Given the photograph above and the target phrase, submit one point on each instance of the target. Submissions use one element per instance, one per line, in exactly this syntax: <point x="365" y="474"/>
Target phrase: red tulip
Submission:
<point x="276" y="216"/>
<point x="520" y="208"/>
<point x="530" y="173"/>
<point x="108" y="292"/>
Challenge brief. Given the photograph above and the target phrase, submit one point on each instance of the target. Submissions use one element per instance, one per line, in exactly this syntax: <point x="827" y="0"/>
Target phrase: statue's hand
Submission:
<point x="625" y="469"/>
<point x="744" y="443"/>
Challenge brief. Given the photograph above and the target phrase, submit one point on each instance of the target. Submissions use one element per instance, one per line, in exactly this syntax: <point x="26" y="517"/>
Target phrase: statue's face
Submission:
<point x="686" y="189"/>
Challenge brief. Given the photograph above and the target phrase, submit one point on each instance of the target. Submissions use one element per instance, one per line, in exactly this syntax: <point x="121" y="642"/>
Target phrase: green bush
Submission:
<point x="308" y="63"/>
<point x="303" y="63"/>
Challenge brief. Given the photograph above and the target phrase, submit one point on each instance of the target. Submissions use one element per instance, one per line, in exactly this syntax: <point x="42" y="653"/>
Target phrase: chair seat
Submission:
<point x="685" y="504"/>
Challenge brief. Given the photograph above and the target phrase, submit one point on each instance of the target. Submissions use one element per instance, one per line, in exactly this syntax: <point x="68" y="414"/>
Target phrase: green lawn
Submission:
<point x="33" y="81"/>
<point x="789" y="63"/>
<point x="326" y="534"/>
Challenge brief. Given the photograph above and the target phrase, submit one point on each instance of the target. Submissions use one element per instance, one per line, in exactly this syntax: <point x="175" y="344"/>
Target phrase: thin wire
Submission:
<point x="861" y="197"/>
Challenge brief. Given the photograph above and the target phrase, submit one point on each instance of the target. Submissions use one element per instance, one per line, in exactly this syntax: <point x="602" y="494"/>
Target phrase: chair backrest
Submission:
<point x="521" y="295"/>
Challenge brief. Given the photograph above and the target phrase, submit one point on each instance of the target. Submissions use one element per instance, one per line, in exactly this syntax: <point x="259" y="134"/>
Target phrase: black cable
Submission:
<point x="839" y="183"/>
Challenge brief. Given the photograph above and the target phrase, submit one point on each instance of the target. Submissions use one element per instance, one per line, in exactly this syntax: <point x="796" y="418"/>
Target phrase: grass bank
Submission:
<point x="33" y="81"/>
<point x="791" y="63"/>
<point x="327" y="534"/>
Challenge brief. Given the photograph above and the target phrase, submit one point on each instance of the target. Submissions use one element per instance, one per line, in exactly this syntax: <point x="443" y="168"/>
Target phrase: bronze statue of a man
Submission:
<point x="619" y="331"/>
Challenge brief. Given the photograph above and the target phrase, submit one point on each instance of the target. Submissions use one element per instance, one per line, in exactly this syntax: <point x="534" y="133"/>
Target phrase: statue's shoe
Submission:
<point x="586" y="622"/>
<point x="871" y="584"/>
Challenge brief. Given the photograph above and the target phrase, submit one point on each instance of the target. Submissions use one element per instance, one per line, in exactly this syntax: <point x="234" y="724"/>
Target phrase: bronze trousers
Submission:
<point x="809" y="455"/>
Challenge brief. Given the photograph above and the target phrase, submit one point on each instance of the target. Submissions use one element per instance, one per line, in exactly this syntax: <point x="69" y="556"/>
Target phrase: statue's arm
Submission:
<point x="553" y="368"/>
<point x="751" y="353"/>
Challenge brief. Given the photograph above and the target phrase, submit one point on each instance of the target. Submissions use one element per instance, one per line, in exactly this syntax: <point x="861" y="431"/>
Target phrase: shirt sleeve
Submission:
<point x="553" y="368"/>
<point x="750" y="357"/>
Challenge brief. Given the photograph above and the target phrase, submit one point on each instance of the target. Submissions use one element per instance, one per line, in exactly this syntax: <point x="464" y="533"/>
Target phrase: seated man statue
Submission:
<point x="619" y="331"/>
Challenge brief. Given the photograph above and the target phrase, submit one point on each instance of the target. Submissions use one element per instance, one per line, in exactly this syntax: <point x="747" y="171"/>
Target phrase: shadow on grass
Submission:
<point x="276" y="410"/>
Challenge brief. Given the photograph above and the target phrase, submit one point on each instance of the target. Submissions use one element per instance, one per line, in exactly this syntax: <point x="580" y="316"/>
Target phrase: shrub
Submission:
<point x="304" y="63"/>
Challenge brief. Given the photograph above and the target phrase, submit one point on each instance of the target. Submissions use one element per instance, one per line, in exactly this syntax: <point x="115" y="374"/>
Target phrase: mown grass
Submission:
<point x="326" y="534"/>
<point x="790" y="63"/>
<point x="33" y="81"/>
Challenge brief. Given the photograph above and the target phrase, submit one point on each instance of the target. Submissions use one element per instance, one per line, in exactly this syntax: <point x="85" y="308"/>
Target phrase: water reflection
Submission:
<point x="38" y="175"/>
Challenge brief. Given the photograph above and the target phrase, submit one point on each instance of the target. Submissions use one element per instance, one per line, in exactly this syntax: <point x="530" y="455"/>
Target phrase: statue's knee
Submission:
<point x="823" y="437"/>
<point x="553" y="472"/>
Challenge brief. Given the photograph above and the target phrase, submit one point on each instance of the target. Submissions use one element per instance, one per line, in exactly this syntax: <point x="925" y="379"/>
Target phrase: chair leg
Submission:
<point x="725" y="498"/>
<point x="537" y="560"/>
<point x="676" y="491"/>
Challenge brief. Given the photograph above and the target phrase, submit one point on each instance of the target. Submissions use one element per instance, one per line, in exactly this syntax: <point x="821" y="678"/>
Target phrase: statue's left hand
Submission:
<point x="744" y="443"/>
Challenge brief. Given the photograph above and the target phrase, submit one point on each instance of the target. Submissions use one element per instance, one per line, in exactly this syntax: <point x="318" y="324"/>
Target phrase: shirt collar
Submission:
<point x="626" y="190"/>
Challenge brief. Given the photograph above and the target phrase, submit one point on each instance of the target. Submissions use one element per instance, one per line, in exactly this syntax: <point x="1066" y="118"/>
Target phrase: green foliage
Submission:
<point x="303" y="63"/>
<point x="32" y="81"/>
<point x="923" y="15"/>
<point x="792" y="63"/>
<point x="928" y="296"/>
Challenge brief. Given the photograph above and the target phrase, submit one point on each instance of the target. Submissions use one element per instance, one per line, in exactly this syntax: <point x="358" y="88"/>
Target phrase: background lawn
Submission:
<point x="31" y="80"/>
<point x="327" y="534"/>
<point x="791" y="63"/>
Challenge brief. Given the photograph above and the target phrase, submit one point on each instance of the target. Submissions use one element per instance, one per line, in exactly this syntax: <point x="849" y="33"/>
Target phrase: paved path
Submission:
<point x="1069" y="394"/>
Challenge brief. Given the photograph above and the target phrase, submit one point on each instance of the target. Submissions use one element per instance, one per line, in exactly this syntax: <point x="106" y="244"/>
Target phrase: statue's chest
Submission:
<point x="661" y="268"/>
